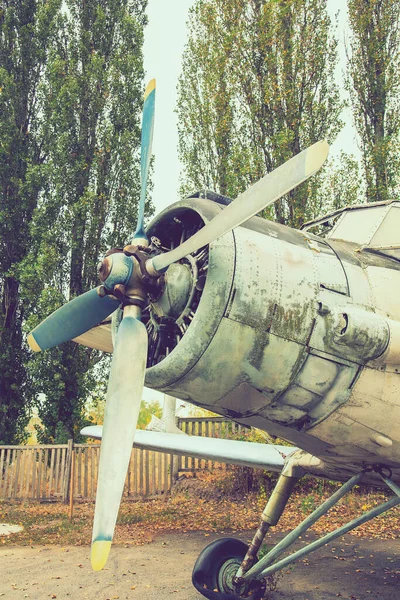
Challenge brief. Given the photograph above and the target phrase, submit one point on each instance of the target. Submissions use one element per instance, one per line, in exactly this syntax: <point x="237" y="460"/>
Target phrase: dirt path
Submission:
<point x="356" y="568"/>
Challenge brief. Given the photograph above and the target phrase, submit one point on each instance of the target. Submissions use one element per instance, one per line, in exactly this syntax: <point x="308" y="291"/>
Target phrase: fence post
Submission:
<point x="71" y="487"/>
<point x="67" y="472"/>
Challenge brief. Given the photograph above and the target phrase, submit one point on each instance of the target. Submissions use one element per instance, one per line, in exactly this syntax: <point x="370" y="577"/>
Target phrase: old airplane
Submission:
<point x="291" y="332"/>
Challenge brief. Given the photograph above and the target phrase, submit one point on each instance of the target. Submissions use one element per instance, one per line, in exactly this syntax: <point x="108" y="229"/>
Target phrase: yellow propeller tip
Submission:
<point x="99" y="555"/>
<point x="150" y="87"/>
<point x="33" y="343"/>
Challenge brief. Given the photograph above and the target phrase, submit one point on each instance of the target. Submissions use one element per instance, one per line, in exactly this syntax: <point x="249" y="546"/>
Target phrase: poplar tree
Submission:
<point x="94" y="86"/>
<point x="374" y="86"/>
<point x="27" y="31"/>
<point x="257" y="87"/>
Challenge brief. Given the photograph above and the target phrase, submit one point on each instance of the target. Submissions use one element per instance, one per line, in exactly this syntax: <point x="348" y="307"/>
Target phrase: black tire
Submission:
<point x="218" y="559"/>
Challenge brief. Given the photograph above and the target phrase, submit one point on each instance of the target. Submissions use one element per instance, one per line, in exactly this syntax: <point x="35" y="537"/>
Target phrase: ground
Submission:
<point x="355" y="568"/>
<point x="157" y="542"/>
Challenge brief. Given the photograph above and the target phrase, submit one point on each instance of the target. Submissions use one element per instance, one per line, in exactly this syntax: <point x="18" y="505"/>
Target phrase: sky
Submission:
<point x="165" y="39"/>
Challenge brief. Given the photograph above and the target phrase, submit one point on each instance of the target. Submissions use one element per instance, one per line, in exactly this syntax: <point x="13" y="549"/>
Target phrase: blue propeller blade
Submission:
<point x="71" y="320"/>
<point x="147" y="139"/>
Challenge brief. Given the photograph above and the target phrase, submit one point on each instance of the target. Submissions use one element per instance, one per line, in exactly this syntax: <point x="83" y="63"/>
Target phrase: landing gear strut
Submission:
<point x="214" y="573"/>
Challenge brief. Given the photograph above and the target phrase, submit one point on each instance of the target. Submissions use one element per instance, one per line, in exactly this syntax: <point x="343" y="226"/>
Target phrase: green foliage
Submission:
<point x="93" y="86"/>
<point x="241" y="480"/>
<point x="147" y="409"/>
<point x="374" y="86"/>
<point x="257" y="87"/>
<point x="342" y="185"/>
<point x="96" y="407"/>
<point x="28" y="29"/>
<point x="71" y="84"/>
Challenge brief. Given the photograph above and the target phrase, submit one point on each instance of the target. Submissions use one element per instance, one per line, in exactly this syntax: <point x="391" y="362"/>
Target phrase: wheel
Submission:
<point x="215" y="569"/>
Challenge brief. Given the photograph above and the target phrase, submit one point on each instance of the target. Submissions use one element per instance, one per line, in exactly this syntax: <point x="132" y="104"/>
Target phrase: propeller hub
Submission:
<point x="104" y="269"/>
<point x="116" y="269"/>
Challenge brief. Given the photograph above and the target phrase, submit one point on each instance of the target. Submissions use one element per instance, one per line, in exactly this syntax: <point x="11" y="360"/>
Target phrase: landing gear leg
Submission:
<point x="270" y="517"/>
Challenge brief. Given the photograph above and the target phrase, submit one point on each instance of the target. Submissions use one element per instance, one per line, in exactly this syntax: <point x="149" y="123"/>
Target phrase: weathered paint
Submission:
<point x="296" y="335"/>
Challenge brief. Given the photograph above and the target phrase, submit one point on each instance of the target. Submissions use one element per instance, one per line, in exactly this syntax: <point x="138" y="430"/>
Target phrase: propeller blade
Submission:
<point x="124" y="395"/>
<point x="71" y="320"/>
<point x="264" y="192"/>
<point x="147" y="139"/>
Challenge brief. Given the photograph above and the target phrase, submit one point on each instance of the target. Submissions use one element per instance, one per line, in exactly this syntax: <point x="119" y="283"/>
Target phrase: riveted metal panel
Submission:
<point x="239" y="354"/>
<point x="294" y="314"/>
<point x="275" y="281"/>
<point x="331" y="274"/>
<point x="258" y="279"/>
<point x="370" y="414"/>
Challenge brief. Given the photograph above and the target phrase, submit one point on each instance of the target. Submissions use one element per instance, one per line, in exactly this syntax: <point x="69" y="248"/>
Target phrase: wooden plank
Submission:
<point x="22" y="474"/>
<point x="58" y="470"/>
<point x="79" y="471"/>
<point x="39" y="472"/>
<point x="61" y="480"/>
<point x="42" y="473"/>
<point x="193" y="432"/>
<point x="141" y="473"/>
<point x="16" y="473"/>
<point x="153" y="472"/>
<point x="147" y="473"/>
<point x="51" y="478"/>
<point x="92" y="459"/>
<point x="33" y="474"/>
<point x="7" y="454"/>
<point x="6" y="471"/>
<point x="46" y="476"/>
<point x="96" y="471"/>
<point x="72" y="484"/>
<point x="2" y="454"/>
<point x="185" y="460"/>
<point x="11" y="472"/>
<point x="44" y="457"/>
<point x="86" y="470"/>
<point x="159" y="473"/>
<point x="165" y="472"/>
<point x="136" y="471"/>
<point x="28" y="464"/>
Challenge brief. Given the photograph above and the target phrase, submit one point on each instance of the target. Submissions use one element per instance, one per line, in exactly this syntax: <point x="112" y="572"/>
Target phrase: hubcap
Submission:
<point x="226" y="577"/>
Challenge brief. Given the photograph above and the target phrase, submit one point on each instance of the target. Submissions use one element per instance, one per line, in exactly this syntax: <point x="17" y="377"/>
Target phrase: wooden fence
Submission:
<point x="215" y="427"/>
<point x="44" y="472"/>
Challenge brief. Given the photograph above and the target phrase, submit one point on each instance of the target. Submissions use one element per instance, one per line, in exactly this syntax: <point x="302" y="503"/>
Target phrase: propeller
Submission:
<point x="140" y="236"/>
<point x="124" y="395"/>
<point x="72" y="319"/>
<point x="126" y="282"/>
<point x="264" y="192"/>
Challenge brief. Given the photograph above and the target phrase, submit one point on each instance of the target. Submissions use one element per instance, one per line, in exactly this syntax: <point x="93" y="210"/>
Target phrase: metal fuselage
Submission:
<point x="291" y="333"/>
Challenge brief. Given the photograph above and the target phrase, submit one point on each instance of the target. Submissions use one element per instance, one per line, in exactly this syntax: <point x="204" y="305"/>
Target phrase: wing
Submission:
<point x="249" y="454"/>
